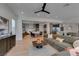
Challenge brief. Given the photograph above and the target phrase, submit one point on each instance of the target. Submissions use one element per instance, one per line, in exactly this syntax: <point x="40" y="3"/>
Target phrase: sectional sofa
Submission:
<point x="60" y="46"/>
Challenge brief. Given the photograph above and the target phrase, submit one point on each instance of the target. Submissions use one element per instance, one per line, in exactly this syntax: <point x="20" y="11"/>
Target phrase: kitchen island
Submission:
<point x="6" y="43"/>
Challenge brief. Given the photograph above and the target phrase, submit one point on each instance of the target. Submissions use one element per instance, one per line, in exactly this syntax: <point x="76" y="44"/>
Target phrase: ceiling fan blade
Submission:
<point x="44" y="5"/>
<point x="43" y="9"/>
<point x="67" y="4"/>
<point x="37" y="11"/>
<point x="47" y="12"/>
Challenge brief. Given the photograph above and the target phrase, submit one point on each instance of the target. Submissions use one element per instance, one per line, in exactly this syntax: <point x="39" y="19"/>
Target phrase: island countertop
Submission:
<point x="5" y="36"/>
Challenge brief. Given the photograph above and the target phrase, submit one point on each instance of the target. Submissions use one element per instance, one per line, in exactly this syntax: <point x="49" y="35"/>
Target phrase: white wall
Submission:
<point x="6" y="12"/>
<point x="71" y="27"/>
<point x="72" y="20"/>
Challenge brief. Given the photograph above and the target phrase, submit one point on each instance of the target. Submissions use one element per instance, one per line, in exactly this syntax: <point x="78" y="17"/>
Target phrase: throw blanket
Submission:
<point x="74" y="51"/>
<point x="59" y="39"/>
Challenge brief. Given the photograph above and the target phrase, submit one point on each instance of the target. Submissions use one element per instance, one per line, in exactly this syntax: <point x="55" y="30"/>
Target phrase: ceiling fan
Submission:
<point x="43" y="9"/>
<point x="66" y="5"/>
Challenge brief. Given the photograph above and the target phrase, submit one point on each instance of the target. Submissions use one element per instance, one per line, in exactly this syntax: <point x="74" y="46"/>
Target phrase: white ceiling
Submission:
<point x="57" y="10"/>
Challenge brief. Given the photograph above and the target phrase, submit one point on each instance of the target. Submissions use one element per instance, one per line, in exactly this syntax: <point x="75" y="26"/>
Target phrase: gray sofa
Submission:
<point x="60" y="46"/>
<point x="62" y="53"/>
<point x="69" y="40"/>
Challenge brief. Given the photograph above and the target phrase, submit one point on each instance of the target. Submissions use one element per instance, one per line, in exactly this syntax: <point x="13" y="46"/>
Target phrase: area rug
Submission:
<point x="47" y="50"/>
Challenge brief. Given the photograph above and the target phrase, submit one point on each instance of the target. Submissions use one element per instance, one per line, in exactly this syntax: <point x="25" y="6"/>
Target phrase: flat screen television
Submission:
<point x="55" y="25"/>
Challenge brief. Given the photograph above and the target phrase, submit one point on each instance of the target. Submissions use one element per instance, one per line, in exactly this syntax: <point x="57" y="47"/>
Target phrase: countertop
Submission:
<point x="5" y="36"/>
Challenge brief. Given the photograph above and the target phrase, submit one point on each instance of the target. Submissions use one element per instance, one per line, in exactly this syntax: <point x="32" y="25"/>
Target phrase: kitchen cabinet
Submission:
<point x="6" y="44"/>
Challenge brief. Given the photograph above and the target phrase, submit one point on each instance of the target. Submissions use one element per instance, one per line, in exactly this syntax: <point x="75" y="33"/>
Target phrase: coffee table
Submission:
<point x="37" y="45"/>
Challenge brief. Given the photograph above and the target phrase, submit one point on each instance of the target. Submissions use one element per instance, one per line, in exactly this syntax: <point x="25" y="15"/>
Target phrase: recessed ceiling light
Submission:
<point x="22" y="12"/>
<point x="67" y="4"/>
<point x="56" y="16"/>
<point x="48" y="15"/>
<point x="38" y="14"/>
<point x="53" y="10"/>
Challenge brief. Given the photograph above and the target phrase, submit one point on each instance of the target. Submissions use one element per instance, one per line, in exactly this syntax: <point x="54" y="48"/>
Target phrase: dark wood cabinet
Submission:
<point x="1" y="47"/>
<point x="6" y="44"/>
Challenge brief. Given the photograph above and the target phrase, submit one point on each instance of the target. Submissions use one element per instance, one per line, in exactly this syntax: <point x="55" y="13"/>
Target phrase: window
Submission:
<point x="13" y="26"/>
